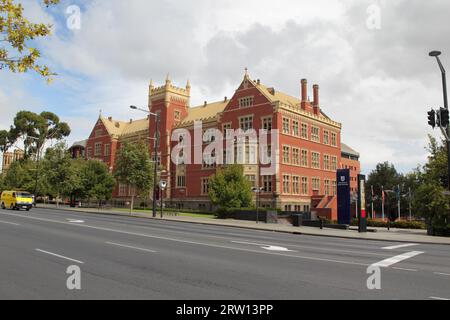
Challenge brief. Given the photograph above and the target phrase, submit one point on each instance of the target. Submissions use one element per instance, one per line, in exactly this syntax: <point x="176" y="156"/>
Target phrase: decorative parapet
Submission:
<point x="297" y="110"/>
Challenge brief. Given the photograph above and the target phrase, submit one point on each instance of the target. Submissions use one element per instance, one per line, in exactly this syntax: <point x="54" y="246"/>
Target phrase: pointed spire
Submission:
<point x="100" y="115"/>
<point x="188" y="84"/>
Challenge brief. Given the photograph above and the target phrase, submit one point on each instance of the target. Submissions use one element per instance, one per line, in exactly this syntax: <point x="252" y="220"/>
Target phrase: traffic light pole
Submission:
<point x="436" y="54"/>
<point x="444" y="86"/>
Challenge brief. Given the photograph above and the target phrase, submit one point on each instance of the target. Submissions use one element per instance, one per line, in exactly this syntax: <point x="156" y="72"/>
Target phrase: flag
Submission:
<point x="383" y="195"/>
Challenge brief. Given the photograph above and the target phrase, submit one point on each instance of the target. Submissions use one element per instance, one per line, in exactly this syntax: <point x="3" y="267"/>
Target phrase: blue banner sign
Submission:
<point x="343" y="191"/>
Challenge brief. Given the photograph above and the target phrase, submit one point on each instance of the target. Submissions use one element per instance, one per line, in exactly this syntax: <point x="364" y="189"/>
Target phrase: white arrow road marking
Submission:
<point x="437" y="298"/>
<point x="394" y="260"/>
<point x="75" y="221"/>
<point x="401" y="246"/>
<point x="59" y="256"/>
<point x="266" y="246"/>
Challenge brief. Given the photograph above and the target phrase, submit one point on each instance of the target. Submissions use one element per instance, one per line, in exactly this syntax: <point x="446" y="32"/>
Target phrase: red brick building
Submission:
<point x="307" y="154"/>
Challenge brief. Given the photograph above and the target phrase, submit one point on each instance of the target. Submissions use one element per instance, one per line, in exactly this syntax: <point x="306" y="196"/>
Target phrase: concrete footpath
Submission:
<point x="398" y="235"/>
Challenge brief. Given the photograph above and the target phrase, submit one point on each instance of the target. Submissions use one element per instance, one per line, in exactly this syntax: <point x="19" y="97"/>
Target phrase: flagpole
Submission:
<point x="399" y="204"/>
<point x="372" y="203"/>
<point x="410" y="209"/>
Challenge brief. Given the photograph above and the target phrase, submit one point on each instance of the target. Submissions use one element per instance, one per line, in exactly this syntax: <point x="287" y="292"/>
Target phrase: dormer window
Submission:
<point x="246" y="102"/>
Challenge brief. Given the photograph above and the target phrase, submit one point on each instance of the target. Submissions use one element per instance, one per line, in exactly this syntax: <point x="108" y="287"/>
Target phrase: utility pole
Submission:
<point x="383" y="200"/>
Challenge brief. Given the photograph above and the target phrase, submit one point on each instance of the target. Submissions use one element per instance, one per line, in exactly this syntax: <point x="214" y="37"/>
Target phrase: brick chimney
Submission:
<point x="304" y="92"/>
<point x="316" y="103"/>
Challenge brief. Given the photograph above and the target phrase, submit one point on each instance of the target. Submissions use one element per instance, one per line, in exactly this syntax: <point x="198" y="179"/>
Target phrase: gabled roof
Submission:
<point x="136" y="126"/>
<point x="120" y="128"/>
<point x="206" y="112"/>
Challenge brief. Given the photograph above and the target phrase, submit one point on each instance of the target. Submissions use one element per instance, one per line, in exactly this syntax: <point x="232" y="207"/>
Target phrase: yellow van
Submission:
<point x="16" y="200"/>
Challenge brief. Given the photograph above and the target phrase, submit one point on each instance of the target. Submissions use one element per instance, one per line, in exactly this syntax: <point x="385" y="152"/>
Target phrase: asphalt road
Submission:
<point x="130" y="258"/>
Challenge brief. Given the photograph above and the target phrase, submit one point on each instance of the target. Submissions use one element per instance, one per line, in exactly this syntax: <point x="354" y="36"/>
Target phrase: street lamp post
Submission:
<point x="38" y="156"/>
<point x="436" y="55"/>
<point x="162" y="187"/>
<point x="155" y="150"/>
<point x="257" y="191"/>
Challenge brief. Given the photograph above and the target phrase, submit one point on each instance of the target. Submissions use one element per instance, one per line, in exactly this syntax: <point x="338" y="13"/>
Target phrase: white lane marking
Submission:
<point x="11" y="223"/>
<point x="191" y="242"/>
<point x="437" y="298"/>
<point x="403" y="269"/>
<point x="130" y="247"/>
<point x="394" y="260"/>
<point x="267" y="247"/>
<point x="442" y="274"/>
<point x="75" y="221"/>
<point x="400" y="246"/>
<point x="59" y="256"/>
<point x="176" y="229"/>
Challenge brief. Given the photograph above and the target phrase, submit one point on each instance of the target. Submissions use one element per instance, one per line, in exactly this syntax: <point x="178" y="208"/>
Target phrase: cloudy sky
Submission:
<point x="369" y="57"/>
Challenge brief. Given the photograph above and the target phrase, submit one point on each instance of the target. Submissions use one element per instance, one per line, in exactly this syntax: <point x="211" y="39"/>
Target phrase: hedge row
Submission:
<point x="415" y="225"/>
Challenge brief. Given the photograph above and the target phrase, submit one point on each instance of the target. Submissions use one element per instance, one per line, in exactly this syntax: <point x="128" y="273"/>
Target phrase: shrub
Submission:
<point x="413" y="225"/>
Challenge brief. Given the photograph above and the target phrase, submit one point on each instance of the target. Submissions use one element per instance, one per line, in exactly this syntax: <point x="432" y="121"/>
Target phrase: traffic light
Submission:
<point x="445" y="120"/>
<point x="432" y="118"/>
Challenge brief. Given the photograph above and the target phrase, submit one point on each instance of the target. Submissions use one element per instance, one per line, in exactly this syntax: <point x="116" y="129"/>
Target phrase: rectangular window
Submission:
<point x="316" y="184"/>
<point x="267" y="124"/>
<point x="326" y="137"/>
<point x="267" y="183"/>
<point x="252" y="180"/>
<point x="296" y="128"/>
<point x="205" y="186"/>
<point x="227" y="127"/>
<point x="246" y="123"/>
<point x="107" y="150"/>
<point x="334" y="139"/>
<point x="98" y="149"/>
<point x="296" y="185"/>
<point x="296" y="156"/>
<point x="177" y="115"/>
<point x="326" y="162"/>
<point x="286" y="126"/>
<point x="334" y="163"/>
<point x="246" y="102"/>
<point x="327" y="187"/>
<point x="89" y="153"/>
<point x="209" y="161"/>
<point x="305" y="186"/>
<point x="286" y="184"/>
<point x="286" y="155"/>
<point x="315" y="134"/>
<point x="305" y="158"/>
<point x="181" y="181"/>
<point x="315" y="160"/>
<point x="305" y="131"/>
<point x="122" y="189"/>
<point x="334" y="188"/>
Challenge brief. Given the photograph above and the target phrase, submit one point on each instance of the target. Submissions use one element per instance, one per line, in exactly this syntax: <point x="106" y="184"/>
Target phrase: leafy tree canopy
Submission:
<point x="134" y="167"/>
<point x="229" y="188"/>
<point x="16" y="33"/>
